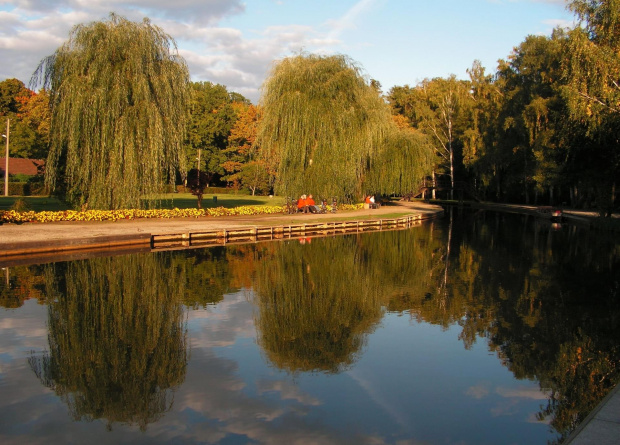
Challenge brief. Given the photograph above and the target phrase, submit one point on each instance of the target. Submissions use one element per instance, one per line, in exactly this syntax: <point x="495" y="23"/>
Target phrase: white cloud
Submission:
<point x="479" y="391"/>
<point x="229" y="42"/>
<point x="287" y="391"/>
<point x="522" y="392"/>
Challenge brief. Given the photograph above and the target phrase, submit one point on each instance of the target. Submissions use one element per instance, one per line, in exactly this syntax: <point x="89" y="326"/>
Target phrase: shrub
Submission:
<point x="19" y="189"/>
<point x="20" y="205"/>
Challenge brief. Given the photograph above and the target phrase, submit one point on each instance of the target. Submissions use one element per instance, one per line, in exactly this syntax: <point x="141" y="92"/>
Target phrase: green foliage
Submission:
<point x="405" y="160"/>
<point x="243" y="165"/>
<point x="10" y="90"/>
<point x="212" y="116"/>
<point x="322" y="126"/>
<point x="118" y="92"/>
<point x="29" y="119"/>
<point x="254" y="176"/>
<point x="532" y="114"/>
<point x="29" y="186"/>
<point x="438" y="108"/>
<point x="18" y="188"/>
<point x="593" y="93"/>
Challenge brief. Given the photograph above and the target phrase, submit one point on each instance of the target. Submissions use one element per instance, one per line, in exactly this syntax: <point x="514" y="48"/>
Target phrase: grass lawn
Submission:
<point x="36" y="203"/>
<point x="229" y="201"/>
<point x="168" y="201"/>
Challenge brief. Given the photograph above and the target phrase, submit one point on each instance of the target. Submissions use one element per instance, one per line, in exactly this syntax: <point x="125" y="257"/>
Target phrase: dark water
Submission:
<point x="482" y="328"/>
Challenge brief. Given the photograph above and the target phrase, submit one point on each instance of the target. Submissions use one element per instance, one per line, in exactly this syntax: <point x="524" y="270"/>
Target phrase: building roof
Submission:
<point x="22" y="166"/>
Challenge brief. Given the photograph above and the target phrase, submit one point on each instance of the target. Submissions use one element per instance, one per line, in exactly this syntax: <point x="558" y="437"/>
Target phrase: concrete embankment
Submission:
<point x="30" y="243"/>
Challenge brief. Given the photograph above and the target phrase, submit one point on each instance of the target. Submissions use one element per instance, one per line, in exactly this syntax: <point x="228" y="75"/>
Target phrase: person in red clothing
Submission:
<point x="301" y="203"/>
<point x="310" y="205"/>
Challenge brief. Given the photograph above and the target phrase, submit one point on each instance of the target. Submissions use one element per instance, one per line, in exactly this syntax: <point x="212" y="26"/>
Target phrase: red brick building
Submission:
<point x="21" y="166"/>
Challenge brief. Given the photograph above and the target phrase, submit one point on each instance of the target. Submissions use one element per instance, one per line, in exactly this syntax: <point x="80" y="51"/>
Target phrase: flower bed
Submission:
<point x="12" y="216"/>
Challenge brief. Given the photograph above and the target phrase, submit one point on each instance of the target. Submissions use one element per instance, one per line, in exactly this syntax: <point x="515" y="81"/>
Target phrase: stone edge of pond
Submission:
<point x="76" y="242"/>
<point x="602" y="425"/>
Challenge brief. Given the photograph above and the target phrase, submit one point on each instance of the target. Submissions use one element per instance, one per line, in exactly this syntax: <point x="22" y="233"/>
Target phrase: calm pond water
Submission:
<point x="482" y="328"/>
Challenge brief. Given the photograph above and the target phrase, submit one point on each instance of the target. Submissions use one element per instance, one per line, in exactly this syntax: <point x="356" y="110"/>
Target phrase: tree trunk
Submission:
<point x="451" y="160"/>
<point x="551" y="199"/>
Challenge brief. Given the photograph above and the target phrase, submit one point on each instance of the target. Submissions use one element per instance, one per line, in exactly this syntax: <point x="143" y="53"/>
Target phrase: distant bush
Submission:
<point x="31" y="188"/>
<point x="19" y="177"/>
<point x="19" y="189"/>
<point x="225" y="191"/>
<point x="20" y="205"/>
<point x="214" y="190"/>
<point x="37" y="186"/>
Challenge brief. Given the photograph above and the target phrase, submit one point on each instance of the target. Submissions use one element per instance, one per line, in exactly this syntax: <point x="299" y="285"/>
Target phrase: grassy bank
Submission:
<point x="168" y="201"/>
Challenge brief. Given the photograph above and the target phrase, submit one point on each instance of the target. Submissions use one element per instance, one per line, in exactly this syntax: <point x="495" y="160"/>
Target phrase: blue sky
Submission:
<point x="397" y="42"/>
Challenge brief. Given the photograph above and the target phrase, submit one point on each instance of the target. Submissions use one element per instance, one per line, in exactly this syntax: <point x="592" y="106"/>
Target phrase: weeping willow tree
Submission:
<point x="406" y="159"/>
<point x="117" y="337"/>
<point x="118" y="94"/>
<point x="322" y="125"/>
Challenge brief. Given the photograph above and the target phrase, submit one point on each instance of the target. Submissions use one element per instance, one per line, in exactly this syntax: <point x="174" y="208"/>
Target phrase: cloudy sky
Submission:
<point x="235" y="42"/>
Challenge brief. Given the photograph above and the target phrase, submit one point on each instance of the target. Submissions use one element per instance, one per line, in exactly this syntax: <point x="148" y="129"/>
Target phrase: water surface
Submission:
<point x="483" y="328"/>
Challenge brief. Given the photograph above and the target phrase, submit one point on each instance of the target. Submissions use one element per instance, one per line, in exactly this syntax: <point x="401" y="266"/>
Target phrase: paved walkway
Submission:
<point x="32" y="238"/>
<point x="602" y="426"/>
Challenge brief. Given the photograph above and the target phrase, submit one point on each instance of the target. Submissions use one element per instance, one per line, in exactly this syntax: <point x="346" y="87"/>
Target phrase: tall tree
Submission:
<point x="212" y="116"/>
<point x="118" y="92"/>
<point x="435" y="107"/>
<point x="593" y="73"/>
<point x="593" y="68"/>
<point x="31" y="139"/>
<point x="29" y="115"/>
<point x="240" y="142"/>
<point x="406" y="159"/>
<point x="322" y="125"/>
<point x="244" y="165"/>
<point x="532" y="113"/>
<point x="10" y="90"/>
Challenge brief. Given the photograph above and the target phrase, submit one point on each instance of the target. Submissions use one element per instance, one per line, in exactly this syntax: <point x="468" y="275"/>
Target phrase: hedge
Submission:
<point x="38" y="189"/>
<point x="26" y="189"/>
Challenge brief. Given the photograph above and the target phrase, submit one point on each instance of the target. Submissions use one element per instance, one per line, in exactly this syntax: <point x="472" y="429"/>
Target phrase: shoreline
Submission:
<point x="29" y="243"/>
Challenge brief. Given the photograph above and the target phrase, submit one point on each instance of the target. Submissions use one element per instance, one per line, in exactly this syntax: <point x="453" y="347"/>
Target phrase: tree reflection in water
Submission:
<point x="546" y="300"/>
<point x="317" y="301"/>
<point x="117" y="338"/>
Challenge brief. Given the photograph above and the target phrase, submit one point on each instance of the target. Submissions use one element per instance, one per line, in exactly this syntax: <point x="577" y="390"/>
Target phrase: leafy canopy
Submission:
<point x="322" y="125"/>
<point x="118" y="92"/>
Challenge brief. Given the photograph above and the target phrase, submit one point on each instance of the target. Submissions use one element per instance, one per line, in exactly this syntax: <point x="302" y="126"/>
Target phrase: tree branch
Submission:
<point x="598" y="101"/>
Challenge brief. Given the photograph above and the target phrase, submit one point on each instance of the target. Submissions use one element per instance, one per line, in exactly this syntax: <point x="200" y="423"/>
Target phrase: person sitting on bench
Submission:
<point x="373" y="203"/>
<point x="301" y="203"/>
<point x="311" y="205"/>
<point x="370" y="202"/>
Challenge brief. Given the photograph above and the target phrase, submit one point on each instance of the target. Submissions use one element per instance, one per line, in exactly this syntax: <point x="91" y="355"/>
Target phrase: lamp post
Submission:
<point x="6" y="166"/>
<point x="199" y="150"/>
